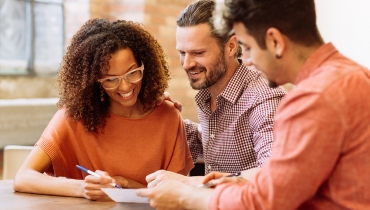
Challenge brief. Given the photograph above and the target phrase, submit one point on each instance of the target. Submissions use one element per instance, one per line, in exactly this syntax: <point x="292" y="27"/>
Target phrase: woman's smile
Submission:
<point x="125" y="95"/>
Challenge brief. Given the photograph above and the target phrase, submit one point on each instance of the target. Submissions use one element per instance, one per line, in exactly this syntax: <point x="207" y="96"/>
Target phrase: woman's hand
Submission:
<point x="91" y="187"/>
<point x="127" y="183"/>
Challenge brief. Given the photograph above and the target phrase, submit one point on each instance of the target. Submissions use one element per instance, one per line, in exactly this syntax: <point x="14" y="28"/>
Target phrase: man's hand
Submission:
<point x="219" y="178"/>
<point x="155" y="178"/>
<point x="166" y="96"/>
<point x="172" y="194"/>
<point x="213" y="176"/>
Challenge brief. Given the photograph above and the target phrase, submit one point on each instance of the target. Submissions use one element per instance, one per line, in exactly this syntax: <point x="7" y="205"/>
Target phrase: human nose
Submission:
<point x="123" y="83"/>
<point x="246" y="58"/>
<point x="188" y="62"/>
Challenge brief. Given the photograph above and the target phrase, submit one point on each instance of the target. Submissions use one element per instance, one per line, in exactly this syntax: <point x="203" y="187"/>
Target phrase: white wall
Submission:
<point x="347" y="25"/>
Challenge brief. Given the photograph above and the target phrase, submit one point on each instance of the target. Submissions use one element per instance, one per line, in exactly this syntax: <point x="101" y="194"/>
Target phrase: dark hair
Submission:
<point x="199" y="12"/>
<point x="87" y="59"/>
<point x="294" y="18"/>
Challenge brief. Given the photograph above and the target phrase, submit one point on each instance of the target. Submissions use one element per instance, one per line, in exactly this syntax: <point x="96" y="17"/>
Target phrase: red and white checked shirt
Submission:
<point x="238" y="134"/>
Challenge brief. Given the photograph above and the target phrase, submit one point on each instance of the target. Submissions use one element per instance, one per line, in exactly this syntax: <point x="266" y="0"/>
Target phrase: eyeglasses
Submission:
<point x="133" y="76"/>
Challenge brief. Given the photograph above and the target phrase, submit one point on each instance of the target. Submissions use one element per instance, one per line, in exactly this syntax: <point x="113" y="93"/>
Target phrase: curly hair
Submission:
<point x="87" y="59"/>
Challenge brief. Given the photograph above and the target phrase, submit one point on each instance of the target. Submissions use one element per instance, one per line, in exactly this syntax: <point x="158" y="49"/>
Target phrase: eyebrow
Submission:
<point x="130" y="68"/>
<point x="192" y="51"/>
<point x="241" y="43"/>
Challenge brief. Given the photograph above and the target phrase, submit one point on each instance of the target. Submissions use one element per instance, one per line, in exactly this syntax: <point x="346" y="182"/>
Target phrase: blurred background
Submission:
<point x="34" y="35"/>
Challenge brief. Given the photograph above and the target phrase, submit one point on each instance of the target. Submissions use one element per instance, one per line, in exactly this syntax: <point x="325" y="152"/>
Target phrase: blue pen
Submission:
<point x="96" y="175"/>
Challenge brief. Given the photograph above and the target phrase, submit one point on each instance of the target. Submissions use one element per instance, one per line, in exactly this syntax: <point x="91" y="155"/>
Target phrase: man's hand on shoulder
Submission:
<point x="166" y="96"/>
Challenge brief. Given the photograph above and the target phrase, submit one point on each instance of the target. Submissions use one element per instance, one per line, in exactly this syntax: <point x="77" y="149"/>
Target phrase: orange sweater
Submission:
<point x="132" y="148"/>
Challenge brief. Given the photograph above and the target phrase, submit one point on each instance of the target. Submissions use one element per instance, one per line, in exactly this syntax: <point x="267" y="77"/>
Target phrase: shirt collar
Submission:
<point x="315" y="60"/>
<point x="233" y="90"/>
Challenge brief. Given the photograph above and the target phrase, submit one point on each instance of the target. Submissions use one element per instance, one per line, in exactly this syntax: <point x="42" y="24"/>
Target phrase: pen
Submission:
<point x="211" y="184"/>
<point x="96" y="175"/>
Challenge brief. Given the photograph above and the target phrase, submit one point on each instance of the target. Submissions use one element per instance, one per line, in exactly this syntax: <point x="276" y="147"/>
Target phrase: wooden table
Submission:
<point x="13" y="200"/>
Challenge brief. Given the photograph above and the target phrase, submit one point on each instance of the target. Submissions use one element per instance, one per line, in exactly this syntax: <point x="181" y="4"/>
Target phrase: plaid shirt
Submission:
<point x="238" y="134"/>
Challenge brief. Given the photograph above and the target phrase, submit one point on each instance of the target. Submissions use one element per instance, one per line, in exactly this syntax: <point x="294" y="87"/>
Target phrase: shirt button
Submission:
<point x="199" y="128"/>
<point x="212" y="136"/>
<point x="209" y="167"/>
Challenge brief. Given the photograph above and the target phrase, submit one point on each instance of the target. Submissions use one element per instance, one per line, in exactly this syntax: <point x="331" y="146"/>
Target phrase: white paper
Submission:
<point x="124" y="195"/>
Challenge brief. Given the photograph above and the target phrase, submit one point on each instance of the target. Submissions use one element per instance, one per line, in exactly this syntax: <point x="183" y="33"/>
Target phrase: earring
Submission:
<point x="278" y="56"/>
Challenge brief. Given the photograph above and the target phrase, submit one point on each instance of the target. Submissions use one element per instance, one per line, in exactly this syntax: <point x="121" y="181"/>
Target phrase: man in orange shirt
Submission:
<point x="320" y="158"/>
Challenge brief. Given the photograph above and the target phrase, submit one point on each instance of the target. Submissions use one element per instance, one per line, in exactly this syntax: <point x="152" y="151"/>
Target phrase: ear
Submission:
<point x="275" y="42"/>
<point x="231" y="46"/>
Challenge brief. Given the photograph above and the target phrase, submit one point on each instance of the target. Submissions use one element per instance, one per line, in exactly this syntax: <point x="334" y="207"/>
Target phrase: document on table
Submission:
<point x="124" y="195"/>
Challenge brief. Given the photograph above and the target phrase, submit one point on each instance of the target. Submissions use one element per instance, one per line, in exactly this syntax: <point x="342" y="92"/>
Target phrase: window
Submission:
<point x="31" y="37"/>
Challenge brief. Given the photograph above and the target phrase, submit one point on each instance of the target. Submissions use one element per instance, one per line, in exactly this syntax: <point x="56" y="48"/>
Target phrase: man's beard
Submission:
<point x="215" y="74"/>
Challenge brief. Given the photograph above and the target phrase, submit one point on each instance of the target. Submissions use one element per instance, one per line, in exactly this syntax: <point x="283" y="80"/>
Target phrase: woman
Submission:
<point x="111" y="77"/>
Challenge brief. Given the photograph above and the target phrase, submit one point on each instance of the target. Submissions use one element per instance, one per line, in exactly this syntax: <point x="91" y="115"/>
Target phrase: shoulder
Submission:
<point x="256" y="86"/>
<point x="62" y="121"/>
<point x="59" y="128"/>
<point x="335" y="87"/>
<point x="167" y="108"/>
<point x="60" y="116"/>
<point x="259" y="90"/>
